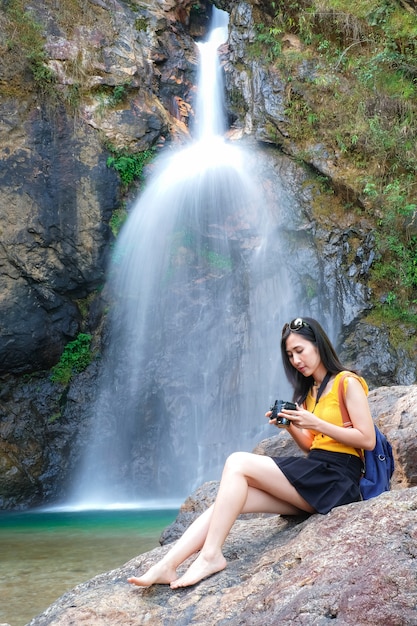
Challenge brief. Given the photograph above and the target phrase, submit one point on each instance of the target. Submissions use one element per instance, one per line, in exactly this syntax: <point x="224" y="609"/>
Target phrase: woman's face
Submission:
<point x="302" y="354"/>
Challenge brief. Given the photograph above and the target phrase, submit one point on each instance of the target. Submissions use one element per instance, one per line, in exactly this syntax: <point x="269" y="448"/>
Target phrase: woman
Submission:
<point x="327" y="477"/>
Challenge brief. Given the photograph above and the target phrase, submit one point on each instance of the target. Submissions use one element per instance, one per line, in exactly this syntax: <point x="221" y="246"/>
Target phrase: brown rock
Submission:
<point x="394" y="411"/>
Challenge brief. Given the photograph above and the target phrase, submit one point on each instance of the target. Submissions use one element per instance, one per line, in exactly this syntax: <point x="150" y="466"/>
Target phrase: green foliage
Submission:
<point x="74" y="359"/>
<point x="111" y="98"/>
<point x="25" y="37"/>
<point x="198" y="7"/>
<point x="119" y="94"/>
<point x="218" y="261"/>
<point x="398" y="264"/>
<point x="356" y="94"/>
<point x="391" y="313"/>
<point x="140" y="24"/>
<point x="270" y="39"/>
<point x="43" y="76"/>
<point x="129" y="166"/>
<point x="396" y="269"/>
<point x="117" y="219"/>
<point x="55" y="417"/>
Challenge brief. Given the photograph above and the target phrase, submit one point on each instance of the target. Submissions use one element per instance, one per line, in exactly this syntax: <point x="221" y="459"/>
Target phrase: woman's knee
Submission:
<point x="237" y="461"/>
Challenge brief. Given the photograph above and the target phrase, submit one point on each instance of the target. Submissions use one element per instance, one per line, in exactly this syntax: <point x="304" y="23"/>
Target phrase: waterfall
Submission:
<point x="199" y="293"/>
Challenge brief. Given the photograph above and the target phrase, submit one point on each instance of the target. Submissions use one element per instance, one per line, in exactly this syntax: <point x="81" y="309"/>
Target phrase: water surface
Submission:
<point x="45" y="554"/>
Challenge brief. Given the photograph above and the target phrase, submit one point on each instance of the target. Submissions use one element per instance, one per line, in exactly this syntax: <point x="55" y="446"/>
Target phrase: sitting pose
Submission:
<point x="328" y="476"/>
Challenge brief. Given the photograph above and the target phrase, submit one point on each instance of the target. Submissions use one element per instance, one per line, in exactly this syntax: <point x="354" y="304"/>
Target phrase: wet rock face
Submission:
<point x="39" y="425"/>
<point x="57" y="196"/>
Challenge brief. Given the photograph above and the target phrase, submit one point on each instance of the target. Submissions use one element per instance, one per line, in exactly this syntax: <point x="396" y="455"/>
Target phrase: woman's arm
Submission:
<point x="302" y="437"/>
<point x="360" y="415"/>
<point x="362" y="433"/>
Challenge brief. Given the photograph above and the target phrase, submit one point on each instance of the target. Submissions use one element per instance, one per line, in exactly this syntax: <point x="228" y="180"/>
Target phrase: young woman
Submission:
<point x="327" y="477"/>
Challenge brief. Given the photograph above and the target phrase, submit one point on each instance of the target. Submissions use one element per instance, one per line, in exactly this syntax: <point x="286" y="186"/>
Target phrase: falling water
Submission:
<point x="192" y="359"/>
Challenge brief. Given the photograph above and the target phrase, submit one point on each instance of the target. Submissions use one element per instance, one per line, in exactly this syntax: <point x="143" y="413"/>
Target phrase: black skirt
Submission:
<point x="324" y="479"/>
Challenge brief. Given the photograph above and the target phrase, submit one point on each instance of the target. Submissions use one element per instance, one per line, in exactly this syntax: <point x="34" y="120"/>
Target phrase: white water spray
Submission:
<point x="192" y="362"/>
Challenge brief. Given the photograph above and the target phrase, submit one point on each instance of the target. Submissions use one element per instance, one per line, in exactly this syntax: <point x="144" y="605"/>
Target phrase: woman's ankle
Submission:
<point x="211" y="555"/>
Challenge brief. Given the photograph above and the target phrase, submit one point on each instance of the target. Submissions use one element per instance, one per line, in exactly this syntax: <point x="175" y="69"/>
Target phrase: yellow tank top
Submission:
<point x="328" y="410"/>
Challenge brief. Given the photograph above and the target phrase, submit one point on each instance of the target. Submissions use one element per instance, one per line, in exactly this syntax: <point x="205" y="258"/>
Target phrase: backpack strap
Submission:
<point x="347" y="423"/>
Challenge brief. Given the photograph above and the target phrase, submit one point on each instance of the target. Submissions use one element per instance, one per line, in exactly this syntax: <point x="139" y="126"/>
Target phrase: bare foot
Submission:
<point x="201" y="568"/>
<point x="158" y="574"/>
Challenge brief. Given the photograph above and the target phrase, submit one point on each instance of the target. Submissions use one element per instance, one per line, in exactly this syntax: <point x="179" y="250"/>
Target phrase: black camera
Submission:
<point x="282" y="422"/>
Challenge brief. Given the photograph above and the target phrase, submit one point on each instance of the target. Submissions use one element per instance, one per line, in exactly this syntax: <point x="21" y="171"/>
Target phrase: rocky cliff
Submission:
<point x="83" y="81"/>
<point x="60" y="69"/>
<point x="78" y="84"/>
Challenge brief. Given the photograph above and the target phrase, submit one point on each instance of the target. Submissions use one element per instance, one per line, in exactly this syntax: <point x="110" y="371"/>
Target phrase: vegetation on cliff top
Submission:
<point x="352" y="87"/>
<point x="24" y="55"/>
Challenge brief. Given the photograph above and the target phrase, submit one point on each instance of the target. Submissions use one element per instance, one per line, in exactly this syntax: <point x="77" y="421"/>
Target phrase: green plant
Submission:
<point x="370" y="189"/>
<point x="129" y="166"/>
<point x="217" y="260"/>
<point x="117" y="219"/>
<point x="324" y="45"/>
<point x="43" y="76"/>
<point x="25" y="37"/>
<point x="198" y="7"/>
<point x="119" y="94"/>
<point x="111" y="98"/>
<point x="270" y="39"/>
<point x="391" y="298"/>
<point x="74" y="359"/>
<point x="140" y="24"/>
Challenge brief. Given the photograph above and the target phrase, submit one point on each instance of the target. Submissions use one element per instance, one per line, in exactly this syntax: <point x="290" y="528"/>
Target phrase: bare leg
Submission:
<point x="271" y="493"/>
<point x="250" y="484"/>
<point x="164" y="572"/>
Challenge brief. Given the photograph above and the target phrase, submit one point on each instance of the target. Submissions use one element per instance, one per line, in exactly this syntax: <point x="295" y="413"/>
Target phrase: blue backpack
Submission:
<point x="378" y="463"/>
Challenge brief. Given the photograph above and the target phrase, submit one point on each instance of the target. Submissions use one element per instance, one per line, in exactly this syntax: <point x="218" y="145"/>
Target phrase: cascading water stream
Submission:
<point x="192" y="361"/>
<point x="209" y="104"/>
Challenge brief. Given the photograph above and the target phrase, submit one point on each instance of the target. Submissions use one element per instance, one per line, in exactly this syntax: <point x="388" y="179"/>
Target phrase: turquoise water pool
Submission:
<point x="43" y="554"/>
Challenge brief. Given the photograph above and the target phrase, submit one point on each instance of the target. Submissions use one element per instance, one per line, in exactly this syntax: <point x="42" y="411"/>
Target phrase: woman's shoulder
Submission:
<point x="348" y="375"/>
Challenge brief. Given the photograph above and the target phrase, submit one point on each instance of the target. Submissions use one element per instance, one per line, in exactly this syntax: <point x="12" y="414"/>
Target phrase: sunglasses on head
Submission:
<point x="295" y="325"/>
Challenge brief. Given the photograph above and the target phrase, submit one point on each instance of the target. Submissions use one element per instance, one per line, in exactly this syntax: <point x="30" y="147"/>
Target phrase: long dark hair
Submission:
<point x="311" y="330"/>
